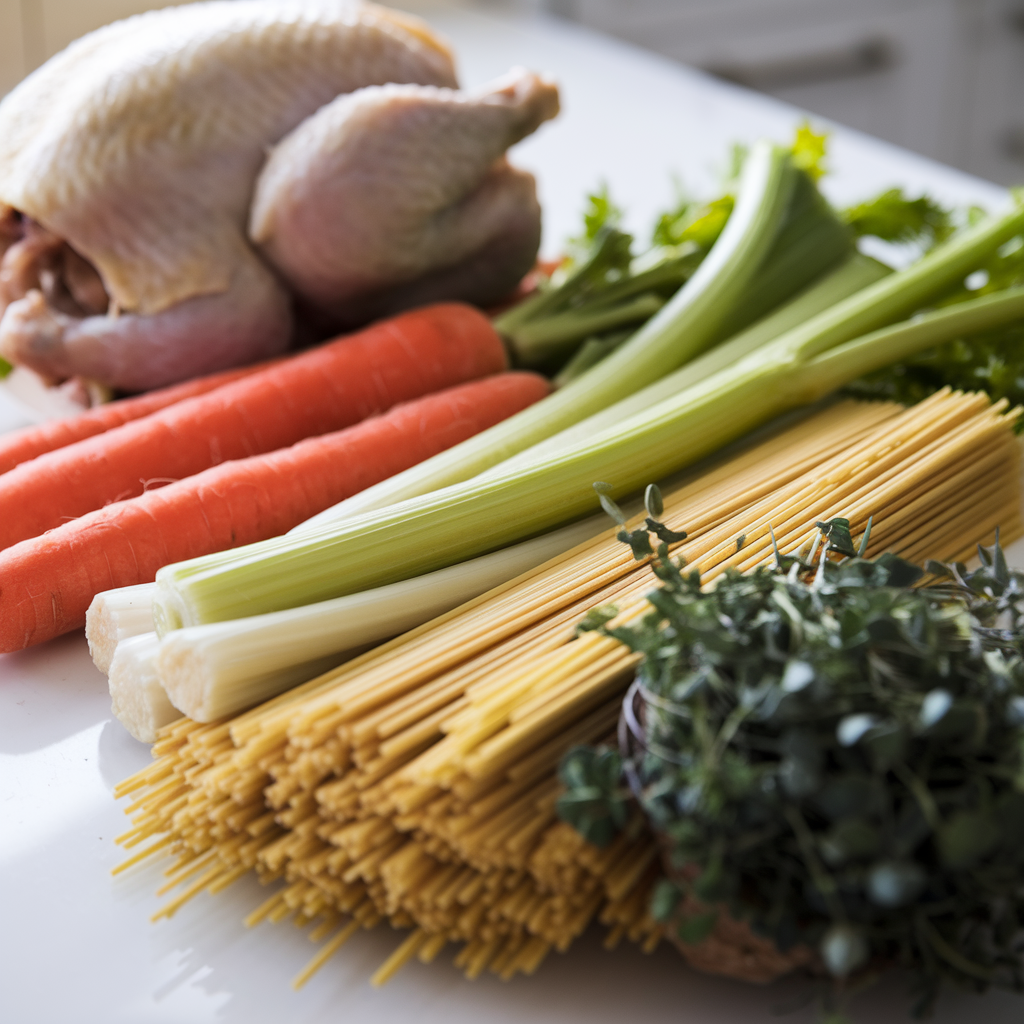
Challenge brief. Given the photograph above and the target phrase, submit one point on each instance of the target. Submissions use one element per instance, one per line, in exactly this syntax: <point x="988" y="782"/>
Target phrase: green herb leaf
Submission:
<point x="595" y="801"/>
<point x="600" y="212"/>
<point x="809" y="149"/>
<point x="596" y="618"/>
<point x="967" y="838"/>
<point x="609" y="506"/>
<point x="665" y="898"/>
<point x="895" y="883"/>
<point x="653" y="501"/>
<point x="844" y="949"/>
<point x="837" y="533"/>
<point x="697" y="928"/>
<point x="892" y="217"/>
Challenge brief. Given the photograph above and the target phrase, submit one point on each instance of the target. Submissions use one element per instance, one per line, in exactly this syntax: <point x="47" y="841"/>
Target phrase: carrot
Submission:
<point x="48" y="582"/>
<point x="21" y="445"/>
<point x="318" y="391"/>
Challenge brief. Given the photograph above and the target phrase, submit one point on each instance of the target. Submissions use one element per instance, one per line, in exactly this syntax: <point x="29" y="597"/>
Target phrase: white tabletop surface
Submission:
<point x="76" y="946"/>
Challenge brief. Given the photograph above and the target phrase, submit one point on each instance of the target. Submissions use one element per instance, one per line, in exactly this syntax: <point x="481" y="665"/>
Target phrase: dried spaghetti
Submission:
<point x="417" y="783"/>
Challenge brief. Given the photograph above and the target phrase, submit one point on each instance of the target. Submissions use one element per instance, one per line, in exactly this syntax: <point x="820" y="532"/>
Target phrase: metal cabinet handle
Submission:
<point x="862" y="57"/>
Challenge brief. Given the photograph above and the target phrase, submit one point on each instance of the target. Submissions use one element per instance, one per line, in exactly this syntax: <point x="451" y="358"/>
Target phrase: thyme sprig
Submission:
<point x="831" y="750"/>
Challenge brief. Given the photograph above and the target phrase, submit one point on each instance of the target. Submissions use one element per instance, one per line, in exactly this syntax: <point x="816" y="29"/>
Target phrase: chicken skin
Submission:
<point x="176" y="188"/>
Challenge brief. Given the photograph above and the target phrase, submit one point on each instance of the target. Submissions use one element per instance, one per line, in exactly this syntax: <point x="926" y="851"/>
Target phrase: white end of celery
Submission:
<point x="217" y="669"/>
<point x="116" y="615"/>
<point x="137" y="697"/>
<point x="208" y="677"/>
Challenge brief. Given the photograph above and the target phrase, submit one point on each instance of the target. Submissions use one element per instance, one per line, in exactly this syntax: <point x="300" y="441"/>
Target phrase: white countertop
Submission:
<point x="76" y="946"/>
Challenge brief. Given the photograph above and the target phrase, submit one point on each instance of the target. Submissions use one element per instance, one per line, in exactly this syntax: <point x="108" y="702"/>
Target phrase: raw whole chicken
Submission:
<point x="191" y="188"/>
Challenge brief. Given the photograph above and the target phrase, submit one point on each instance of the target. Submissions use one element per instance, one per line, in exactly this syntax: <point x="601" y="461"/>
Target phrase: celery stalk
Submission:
<point x="810" y="240"/>
<point x="540" y="326"/>
<point x="840" y="365"/>
<point x="428" y="532"/>
<point x="856" y="273"/>
<point x="137" y="698"/>
<point x="557" y="334"/>
<point x="587" y="356"/>
<point x="116" y="615"/>
<point x="218" y="669"/>
<point x="683" y="328"/>
<point x="810" y="237"/>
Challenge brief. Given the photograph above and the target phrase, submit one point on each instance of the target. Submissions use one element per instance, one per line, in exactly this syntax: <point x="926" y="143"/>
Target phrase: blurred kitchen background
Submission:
<point x="942" y="77"/>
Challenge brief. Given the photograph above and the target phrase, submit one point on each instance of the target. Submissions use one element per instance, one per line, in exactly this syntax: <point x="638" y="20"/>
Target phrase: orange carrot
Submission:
<point x="21" y="445"/>
<point x="318" y="391"/>
<point x="47" y="583"/>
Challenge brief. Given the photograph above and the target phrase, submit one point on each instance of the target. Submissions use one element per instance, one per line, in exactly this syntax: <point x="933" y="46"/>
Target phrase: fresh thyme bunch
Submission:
<point x="833" y="754"/>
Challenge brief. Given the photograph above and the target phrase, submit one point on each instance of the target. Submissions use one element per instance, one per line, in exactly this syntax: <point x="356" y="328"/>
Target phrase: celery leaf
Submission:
<point x="600" y="212"/>
<point x="809" y="149"/>
<point x="892" y="217"/>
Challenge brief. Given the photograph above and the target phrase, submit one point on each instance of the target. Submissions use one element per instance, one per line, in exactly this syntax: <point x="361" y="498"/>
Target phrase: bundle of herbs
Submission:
<point x="830" y="750"/>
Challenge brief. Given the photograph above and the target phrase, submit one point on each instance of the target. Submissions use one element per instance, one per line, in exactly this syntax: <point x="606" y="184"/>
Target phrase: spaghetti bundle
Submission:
<point x="418" y="783"/>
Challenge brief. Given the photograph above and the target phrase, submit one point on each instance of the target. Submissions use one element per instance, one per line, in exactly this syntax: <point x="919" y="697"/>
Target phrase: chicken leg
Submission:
<point x="137" y="351"/>
<point x="400" y="194"/>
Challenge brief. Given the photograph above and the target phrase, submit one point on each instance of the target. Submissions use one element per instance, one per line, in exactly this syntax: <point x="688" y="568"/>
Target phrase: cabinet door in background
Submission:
<point x="996" y="125"/>
<point x="902" y="70"/>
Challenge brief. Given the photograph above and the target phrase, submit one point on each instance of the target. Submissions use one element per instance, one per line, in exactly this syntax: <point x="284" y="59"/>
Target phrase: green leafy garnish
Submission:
<point x="600" y="212"/>
<point x="596" y="801"/>
<point x="809" y="151"/>
<point x="699" y="224"/>
<point x="834" y="754"/>
<point x="893" y="217"/>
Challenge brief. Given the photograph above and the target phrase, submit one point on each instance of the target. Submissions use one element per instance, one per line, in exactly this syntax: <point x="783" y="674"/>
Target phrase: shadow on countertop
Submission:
<point x="48" y="693"/>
